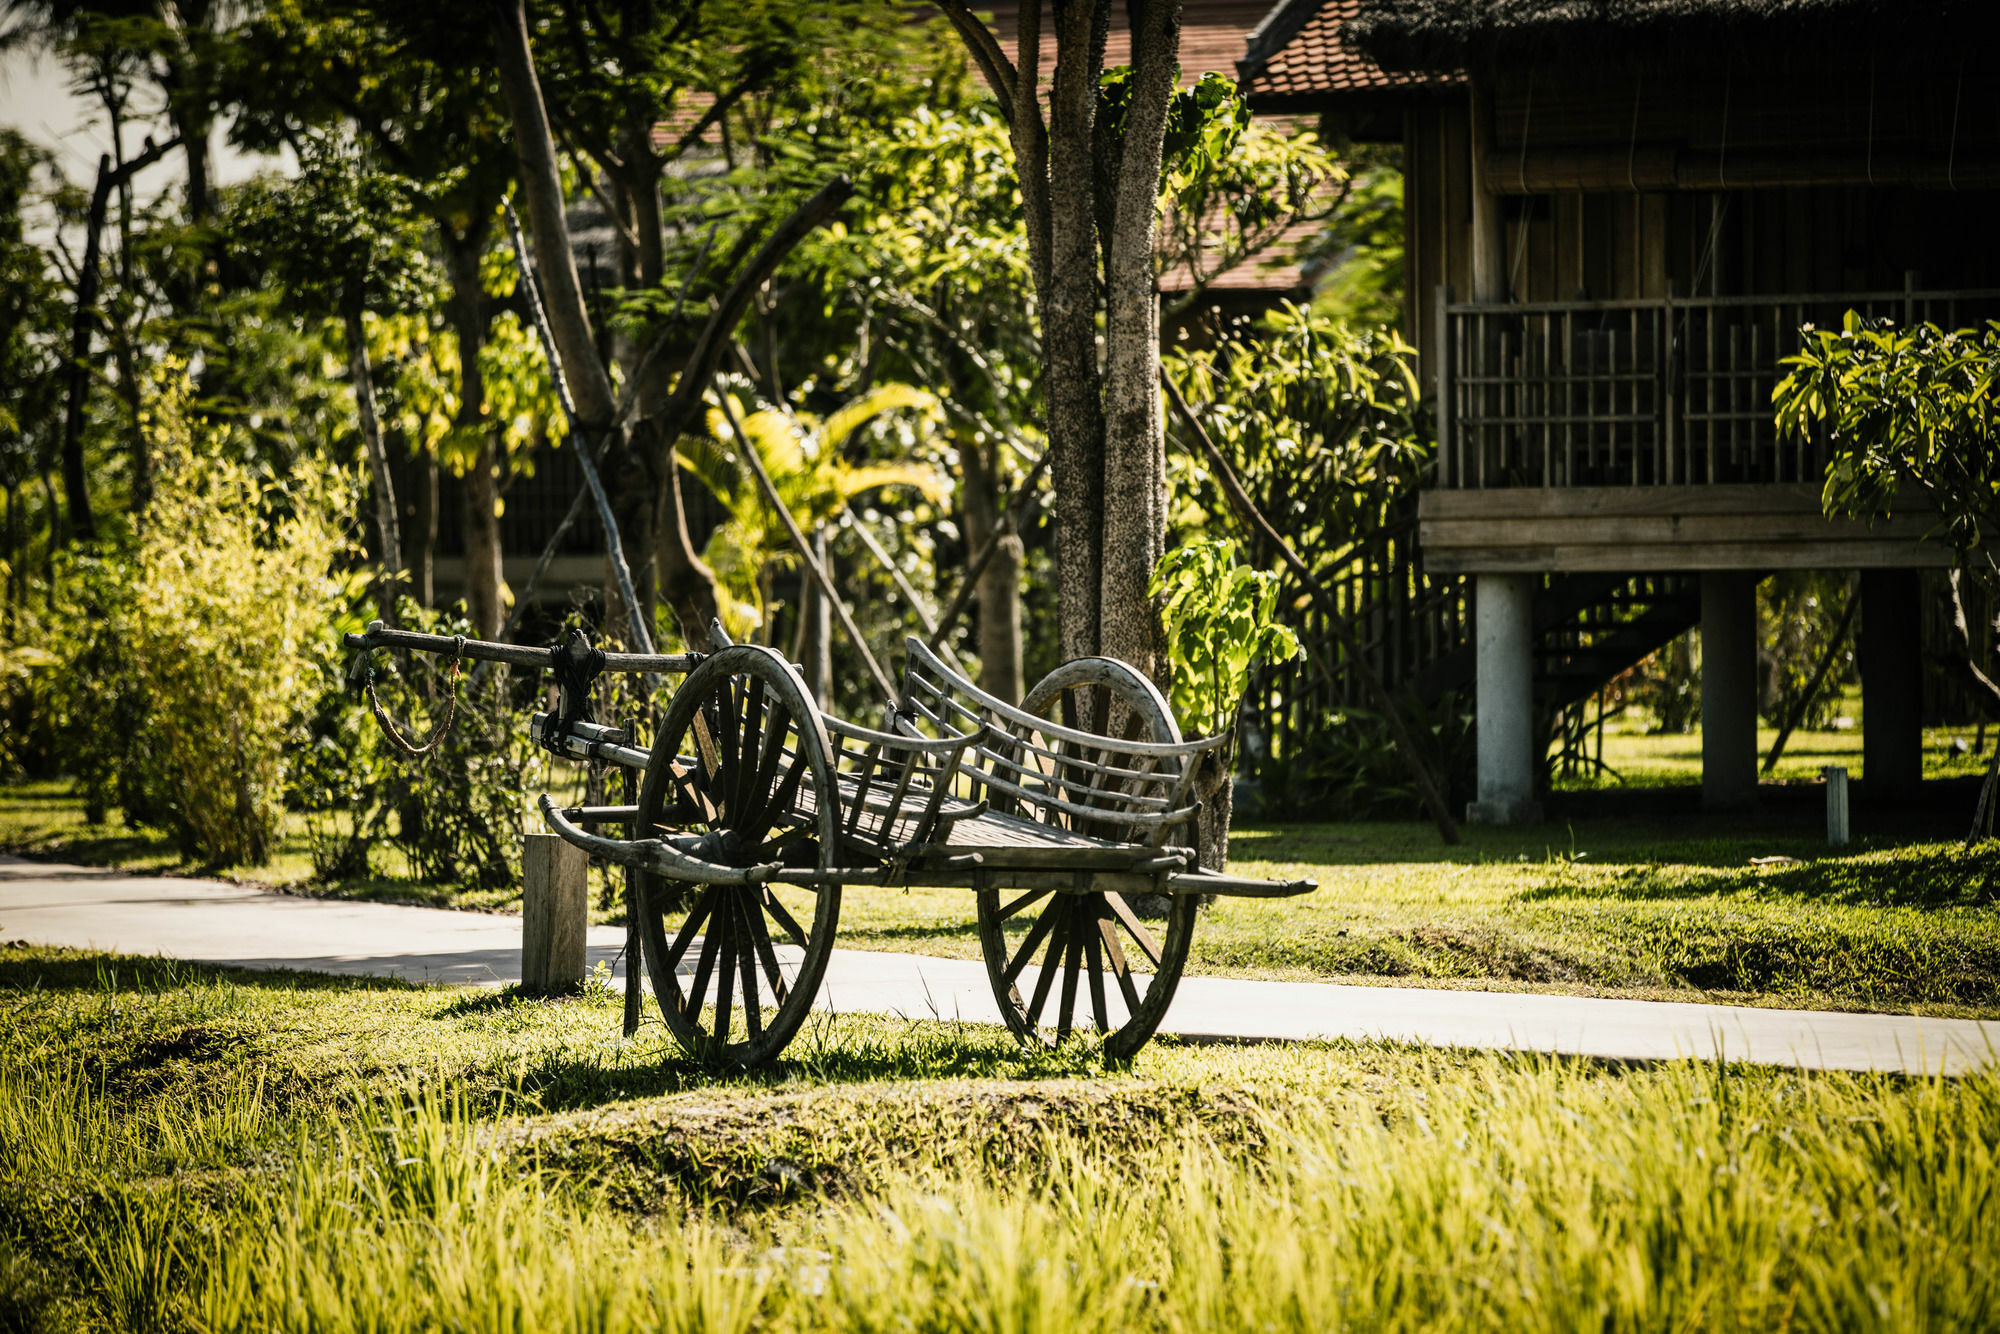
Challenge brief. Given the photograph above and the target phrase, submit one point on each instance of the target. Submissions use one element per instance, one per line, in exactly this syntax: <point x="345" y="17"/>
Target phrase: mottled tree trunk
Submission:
<point x="819" y="633"/>
<point x="1069" y="323"/>
<point x="1135" y="462"/>
<point x="1000" y="669"/>
<point x="484" y="600"/>
<point x="1089" y="201"/>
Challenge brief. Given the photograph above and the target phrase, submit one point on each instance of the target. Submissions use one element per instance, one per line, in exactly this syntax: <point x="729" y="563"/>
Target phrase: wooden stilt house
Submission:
<point x="1618" y="214"/>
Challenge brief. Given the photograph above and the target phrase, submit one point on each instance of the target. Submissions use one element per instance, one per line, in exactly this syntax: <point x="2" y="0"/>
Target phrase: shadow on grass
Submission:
<point x="827" y="1051"/>
<point x="1931" y="877"/>
<point x="912" y="931"/>
<point x="26" y="967"/>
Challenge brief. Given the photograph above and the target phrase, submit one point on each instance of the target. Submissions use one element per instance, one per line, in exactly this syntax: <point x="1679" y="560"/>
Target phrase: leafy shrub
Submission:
<point x="187" y="655"/>
<point x="1349" y="770"/>
<point x="1220" y="619"/>
<point x="459" y="810"/>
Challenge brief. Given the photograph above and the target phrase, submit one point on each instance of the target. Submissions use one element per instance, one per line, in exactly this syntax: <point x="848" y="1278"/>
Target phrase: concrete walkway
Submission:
<point x="222" y="923"/>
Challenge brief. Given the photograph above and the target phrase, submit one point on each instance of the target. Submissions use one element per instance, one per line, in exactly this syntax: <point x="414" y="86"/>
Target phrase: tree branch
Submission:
<point x="984" y="48"/>
<point x="715" y="335"/>
<point x="1399" y="732"/>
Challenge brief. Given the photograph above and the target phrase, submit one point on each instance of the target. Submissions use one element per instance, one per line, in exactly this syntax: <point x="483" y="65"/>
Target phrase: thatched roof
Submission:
<point x="1439" y="34"/>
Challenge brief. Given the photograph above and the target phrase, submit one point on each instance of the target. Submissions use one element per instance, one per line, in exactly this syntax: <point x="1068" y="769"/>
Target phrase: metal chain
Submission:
<point x="438" y="733"/>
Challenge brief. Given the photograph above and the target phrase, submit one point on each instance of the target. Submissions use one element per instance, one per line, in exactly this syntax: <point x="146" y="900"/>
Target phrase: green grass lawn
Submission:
<point x="1638" y="757"/>
<point x="1660" y="902"/>
<point x="190" y="1148"/>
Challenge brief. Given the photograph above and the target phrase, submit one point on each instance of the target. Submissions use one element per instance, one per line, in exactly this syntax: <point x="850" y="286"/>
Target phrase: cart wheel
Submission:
<point x="1128" y="968"/>
<point x="743" y="762"/>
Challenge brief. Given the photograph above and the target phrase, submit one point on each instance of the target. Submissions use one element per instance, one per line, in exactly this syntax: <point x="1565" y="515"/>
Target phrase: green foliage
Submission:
<point x="1204" y="123"/>
<point x="184" y="661"/>
<point x="1319" y="419"/>
<point x="1911" y="417"/>
<point x="1320" y="422"/>
<point x="1219" y="618"/>
<point x="1349" y="768"/>
<point x="340" y="237"/>
<point x="806" y="457"/>
<point x="1798" y="612"/>
<point x="1357" y="258"/>
<point x="460" y="811"/>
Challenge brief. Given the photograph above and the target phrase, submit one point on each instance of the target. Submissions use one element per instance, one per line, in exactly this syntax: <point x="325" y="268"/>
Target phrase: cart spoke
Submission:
<point x="770" y="847"/>
<point x="1027" y="900"/>
<point x="1115" y="952"/>
<point x="1094" y="963"/>
<point x="1050" y="962"/>
<point x="1043" y="925"/>
<point x="711" y="940"/>
<point x="787" y="921"/>
<point x="727" y="740"/>
<point x="688" y="785"/>
<point x="760" y="935"/>
<point x="1126" y="918"/>
<point x="725" y="990"/>
<point x="742" y="798"/>
<point x="1072" y="965"/>
<point x="703" y="906"/>
<point x="787" y="794"/>
<point x="753" y="1014"/>
<point x="773" y="753"/>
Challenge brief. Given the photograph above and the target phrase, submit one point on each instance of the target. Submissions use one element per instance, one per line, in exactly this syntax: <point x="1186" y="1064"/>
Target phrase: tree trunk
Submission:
<point x="378" y="458"/>
<point x="541" y="191"/>
<point x="819" y="634"/>
<point x="1135" y="468"/>
<point x="423" y="560"/>
<point x="635" y="196"/>
<point x="76" y="480"/>
<point x="1000" y="667"/>
<point x="484" y="601"/>
<point x="1069" y="324"/>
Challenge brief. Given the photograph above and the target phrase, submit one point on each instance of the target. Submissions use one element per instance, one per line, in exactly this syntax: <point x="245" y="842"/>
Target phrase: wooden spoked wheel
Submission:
<point x="741" y="774"/>
<point x="1063" y="961"/>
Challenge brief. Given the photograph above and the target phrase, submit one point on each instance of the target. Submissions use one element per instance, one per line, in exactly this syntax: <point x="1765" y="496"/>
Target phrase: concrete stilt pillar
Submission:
<point x="1892" y="685"/>
<point x="1504" y="632"/>
<point x="1728" y="690"/>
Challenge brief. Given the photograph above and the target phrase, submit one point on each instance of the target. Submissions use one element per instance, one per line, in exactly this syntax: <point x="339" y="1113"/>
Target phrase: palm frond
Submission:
<point x="850" y="417"/>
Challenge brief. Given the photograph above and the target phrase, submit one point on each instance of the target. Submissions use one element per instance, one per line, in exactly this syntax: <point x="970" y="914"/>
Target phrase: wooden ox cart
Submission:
<point x="757" y="809"/>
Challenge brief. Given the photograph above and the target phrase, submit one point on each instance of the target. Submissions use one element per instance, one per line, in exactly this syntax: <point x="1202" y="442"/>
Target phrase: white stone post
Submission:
<point x="1504" y="635"/>
<point x="1836" y="805"/>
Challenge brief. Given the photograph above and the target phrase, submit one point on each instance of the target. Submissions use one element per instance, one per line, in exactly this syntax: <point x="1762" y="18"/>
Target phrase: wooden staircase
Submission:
<point x="1416" y="629"/>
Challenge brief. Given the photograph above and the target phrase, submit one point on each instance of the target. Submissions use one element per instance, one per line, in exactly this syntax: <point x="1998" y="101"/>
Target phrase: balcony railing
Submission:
<point x="1672" y="392"/>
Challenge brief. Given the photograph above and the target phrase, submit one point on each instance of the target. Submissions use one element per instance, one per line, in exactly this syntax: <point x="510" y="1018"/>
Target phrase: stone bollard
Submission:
<point x="555" y="914"/>
<point x="1836" y="805"/>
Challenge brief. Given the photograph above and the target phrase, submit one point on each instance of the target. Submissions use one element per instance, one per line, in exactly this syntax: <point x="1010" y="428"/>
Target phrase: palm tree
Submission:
<point x="805" y="457"/>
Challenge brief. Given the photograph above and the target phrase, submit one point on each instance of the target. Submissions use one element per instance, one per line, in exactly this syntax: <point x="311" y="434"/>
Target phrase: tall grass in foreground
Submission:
<point x="1500" y="1194"/>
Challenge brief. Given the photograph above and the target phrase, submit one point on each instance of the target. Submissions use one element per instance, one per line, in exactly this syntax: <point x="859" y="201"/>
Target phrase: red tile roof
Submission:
<point x="1304" y="56"/>
<point x="1212" y="34"/>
